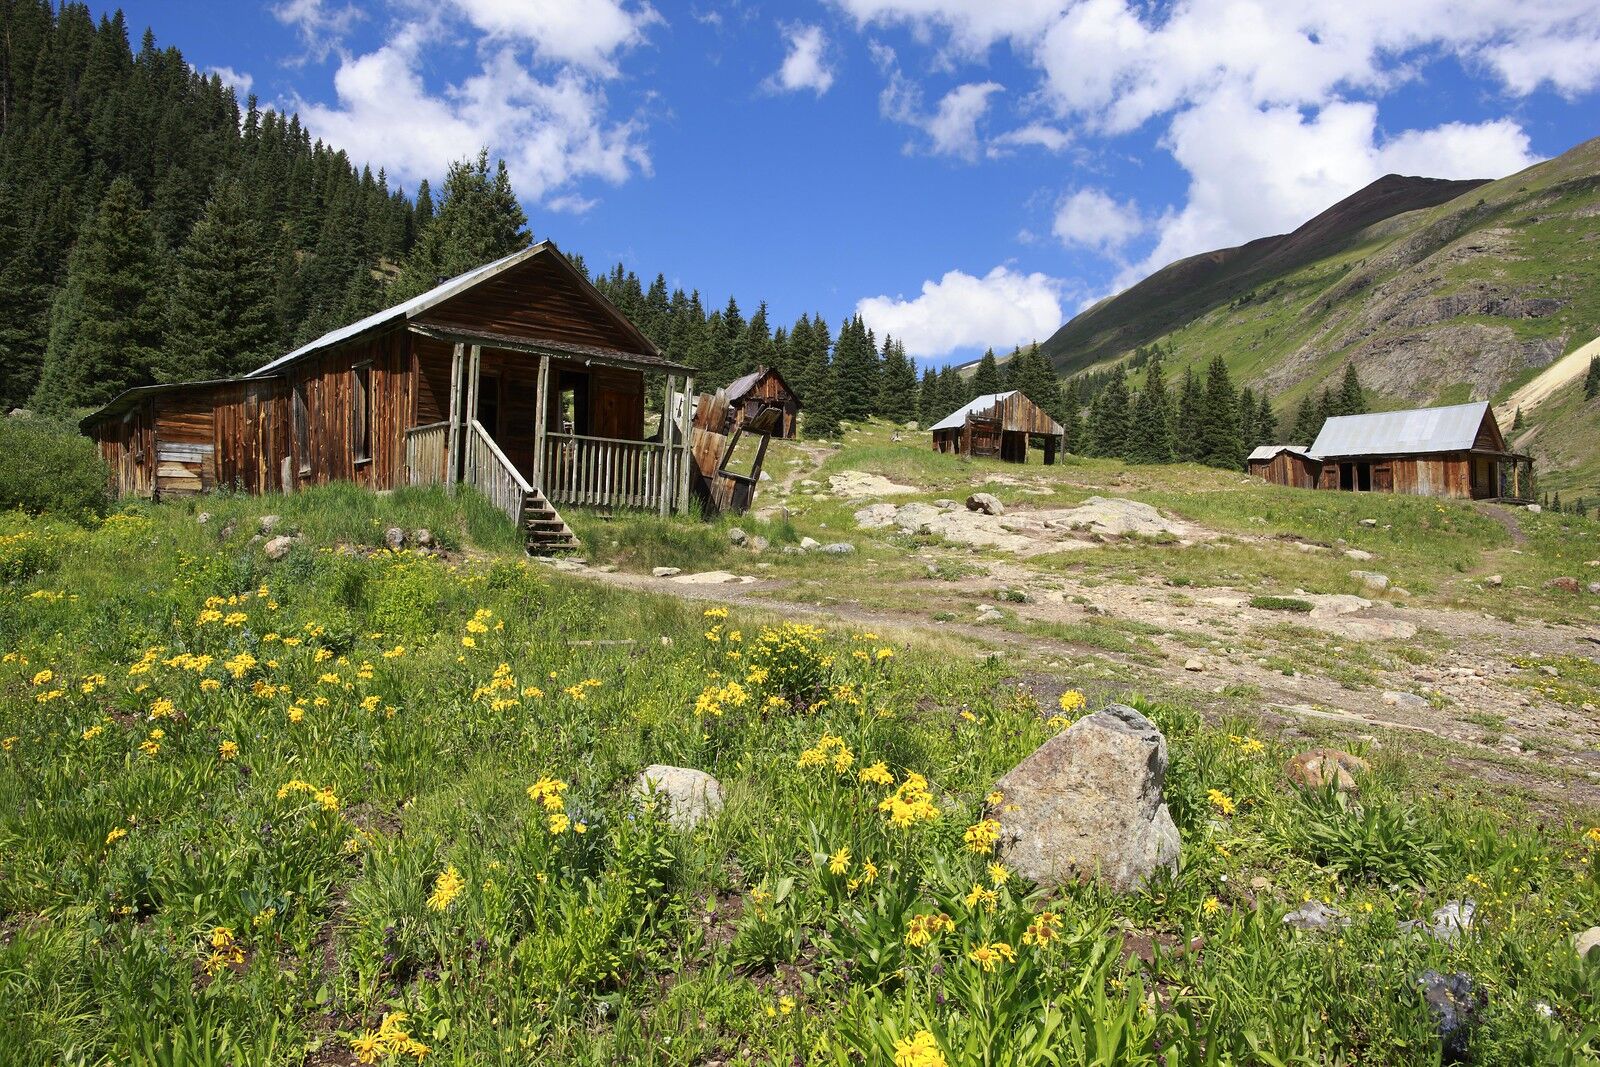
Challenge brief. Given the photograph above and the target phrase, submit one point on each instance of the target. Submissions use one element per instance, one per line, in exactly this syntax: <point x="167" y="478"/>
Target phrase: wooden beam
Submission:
<point x="452" y="449"/>
<point x="684" y="459"/>
<point x="541" y="411"/>
<point x="474" y="369"/>
<point x="667" y="471"/>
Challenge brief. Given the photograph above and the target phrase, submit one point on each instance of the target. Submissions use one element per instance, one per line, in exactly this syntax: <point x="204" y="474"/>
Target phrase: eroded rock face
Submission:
<point x="1088" y="803"/>
<point x="690" y="796"/>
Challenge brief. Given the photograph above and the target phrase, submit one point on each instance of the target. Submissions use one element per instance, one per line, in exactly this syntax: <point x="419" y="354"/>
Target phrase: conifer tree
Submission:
<point x="1149" y="432"/>
<point x="1516" y="421"/>
<point x="1071" y="422"/>
<point x="897" y="390"/>
<point x="1307" y="423"/>
<point x="1247" y="418"/>
<point x="1220" y="445"/>
<point x="222" y="318"/>
<point x="986" y="379"/>
<point x="821" y="410"/>
<point x="855" y="371"/>
<point x="952" y="391"/>
<point x="1191" y="403"/>
<point x="108" y="323"/>
<point x="478" y="221"/>
<point x="928" y="411"/>
<point x="1109" y="416"/>
<point x="1352" y="399"/>
<point x="1266" y="423"/>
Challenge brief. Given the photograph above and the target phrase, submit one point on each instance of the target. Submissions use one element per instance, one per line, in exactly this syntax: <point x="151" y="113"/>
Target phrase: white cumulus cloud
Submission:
<point x="241" y="81"/>
<point x="584" y="33"/>
<point x="960" y="311"/>
<point x="1092" y="218"/>
<point x="952" y="126"/>
<point x="805" y="66"/>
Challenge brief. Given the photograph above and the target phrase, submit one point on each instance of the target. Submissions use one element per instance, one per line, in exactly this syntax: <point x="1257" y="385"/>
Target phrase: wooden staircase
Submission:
<point x="544" y="531"/>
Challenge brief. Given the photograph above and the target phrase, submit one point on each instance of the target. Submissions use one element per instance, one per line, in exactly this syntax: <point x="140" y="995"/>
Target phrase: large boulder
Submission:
<point x="916" y="518"/>
<point x="1319" y="768"/>
<point x="278" y="547"/>
<point x="875" y="516"/>
<point x="1088" y="803"/>
<point x="690" y="796"/>
<point x="987" y="503"/>
<point x="1119" y="517"/>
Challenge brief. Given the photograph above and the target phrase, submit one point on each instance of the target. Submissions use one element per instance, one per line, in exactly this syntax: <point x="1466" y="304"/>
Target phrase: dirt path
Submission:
<point x="1548" y="382"/>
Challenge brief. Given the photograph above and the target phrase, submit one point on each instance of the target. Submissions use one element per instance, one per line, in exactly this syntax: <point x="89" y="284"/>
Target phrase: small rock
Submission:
<point x="1511" y="744"/>
<point x="1318" y="767"/>
<point x="1455" y="1003"/>
<point x="945" y="505"/>
<point x="267" y="524"/>
<point x="278" y="547"/>
<point x="203" y="518"/>
<point x="1594" y="588"/>
<point x="1260" y="882"/>
<point x="1553" y="672"/>
<point x="1586" y="943"/>
<point x="987" y="503"/>
<point x="1534" y="509"/>
<point x="1371" y="579"/>
<point x="1357" y="554"/>
<point x="1409" y="701"/>
<point x="737" y="536"/>
<point x="690" y="796"/>
<point x="394" y="539"/>
<point x="423" y="538"/>
<point x="665" y="572"/>
<point x="229" y="528"/>
<point x="707" y="578"/>
<point x="1494" y="581"/>
<point x="838" y="548"/>
<point x="809" y="543"/>
<point x="1369" y="523"/>
<point x="1564" y="584"/>
<point x="757" y="543"/>
<point x="1193" y="664"/>
<point x="1315" y="915"/>
<point x="1452" y="919"/>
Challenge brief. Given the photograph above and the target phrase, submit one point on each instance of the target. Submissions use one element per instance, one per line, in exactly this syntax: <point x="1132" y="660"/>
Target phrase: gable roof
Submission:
<point x="958" y="417"/>
<point x="737" y="388"/>
<point x="1268" y="451"/>
<point x="1446" y="429"/>
<point x="417" y="305"/>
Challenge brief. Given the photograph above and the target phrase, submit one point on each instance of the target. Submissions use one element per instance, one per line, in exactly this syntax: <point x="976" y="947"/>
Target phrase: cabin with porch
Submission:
<point x="997" y="426"/>
<point x="518" y="378"/>
<point x="757" y="391"/>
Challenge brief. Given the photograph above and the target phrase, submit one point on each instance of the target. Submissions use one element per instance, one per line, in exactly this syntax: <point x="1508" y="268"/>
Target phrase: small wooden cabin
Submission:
<point x="517" y="377"/>
<point x="763" y="388"/>
<point x="1456" y="451"/>
<point x="1285" y="465"/>
<point x="997" y="426"/>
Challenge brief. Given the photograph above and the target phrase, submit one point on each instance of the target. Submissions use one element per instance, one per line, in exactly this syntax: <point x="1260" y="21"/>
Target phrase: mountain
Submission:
<point x="1437" y="291"/>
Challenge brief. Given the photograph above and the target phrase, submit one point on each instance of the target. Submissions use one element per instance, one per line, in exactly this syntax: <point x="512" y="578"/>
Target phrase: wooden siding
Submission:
<point x="1018" y="414"/>
<point x="1286" y="468"/>
<point x="1447" y="474"/>
<point x="769" y="390"/>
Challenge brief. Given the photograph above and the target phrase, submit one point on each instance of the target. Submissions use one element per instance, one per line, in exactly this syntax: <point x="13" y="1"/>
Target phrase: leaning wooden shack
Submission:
<point x="518" y="377"/>
<point x="997" y="426"/>
<point x="761" y="390"/>
<point x="1285" y="465"/>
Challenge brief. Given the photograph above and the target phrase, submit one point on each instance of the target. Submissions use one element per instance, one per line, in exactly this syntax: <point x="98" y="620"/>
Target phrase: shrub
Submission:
<point x="1373" y="839"/>
<point x="48" y="468"/>
<point x="1280" y="603"/>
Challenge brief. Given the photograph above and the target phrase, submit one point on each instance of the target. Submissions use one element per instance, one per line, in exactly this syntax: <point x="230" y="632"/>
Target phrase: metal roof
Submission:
<point x="959" y="416"/>
<point x="1447" y="429"/>
<point x="1268" y="451"/>
<point x="737" y="388"/>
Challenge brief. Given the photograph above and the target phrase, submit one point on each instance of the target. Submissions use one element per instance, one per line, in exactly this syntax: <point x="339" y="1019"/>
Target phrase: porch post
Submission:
<point x="541" y="410"/>
<point x="452" y="445"/>
<point x="684" y="444"/>
<point x="667" y="475"/>
<point x="471" y="416"/>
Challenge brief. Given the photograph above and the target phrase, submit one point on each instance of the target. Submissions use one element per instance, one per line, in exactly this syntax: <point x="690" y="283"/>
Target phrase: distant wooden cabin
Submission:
<point x="1285" y="465"/>
<point x="518" y="377"/>
<point x="1455" y="451"/>
<point x="997" y="426"/>
<point x="763" y="388"/>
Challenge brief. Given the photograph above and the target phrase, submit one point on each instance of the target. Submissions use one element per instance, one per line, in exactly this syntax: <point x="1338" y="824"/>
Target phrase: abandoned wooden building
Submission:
<point x="763" y="388"/>
<point x="1455" y="451"/>
<point x="1285" y="465"/>
<point x="997" y="426"/>
<point x="517" y="377"/>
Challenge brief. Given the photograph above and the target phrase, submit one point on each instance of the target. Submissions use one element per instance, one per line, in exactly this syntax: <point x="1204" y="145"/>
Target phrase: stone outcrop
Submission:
<point x="689" y="796"/>
<point x="1318" y="768"/>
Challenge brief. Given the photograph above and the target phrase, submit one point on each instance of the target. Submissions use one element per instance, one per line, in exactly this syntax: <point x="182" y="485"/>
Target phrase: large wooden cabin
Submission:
<point x="997" y="426"/>
<point x="1456" y="451"/>
<point x="518" y="377"/>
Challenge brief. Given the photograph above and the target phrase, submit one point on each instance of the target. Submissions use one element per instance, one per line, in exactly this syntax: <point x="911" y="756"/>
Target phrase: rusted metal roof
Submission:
<point x="1393" y="433"/>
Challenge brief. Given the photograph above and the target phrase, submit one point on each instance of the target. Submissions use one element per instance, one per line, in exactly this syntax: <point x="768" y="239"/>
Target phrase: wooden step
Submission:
<point x="544" y="531"/>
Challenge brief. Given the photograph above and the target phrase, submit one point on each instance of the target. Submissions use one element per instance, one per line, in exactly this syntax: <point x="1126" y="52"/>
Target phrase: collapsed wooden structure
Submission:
<point x="997" y="426"/>
<point x="1455" y="451"/>
<point x="761" y="390"/>
<point x="518" y="377"/>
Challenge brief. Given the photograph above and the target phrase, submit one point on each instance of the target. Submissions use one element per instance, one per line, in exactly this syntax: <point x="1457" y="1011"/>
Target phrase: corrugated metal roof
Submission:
<point x="1447" y="429"/>
<point x="959" y="416"/>
<point x="1268" y="451"/>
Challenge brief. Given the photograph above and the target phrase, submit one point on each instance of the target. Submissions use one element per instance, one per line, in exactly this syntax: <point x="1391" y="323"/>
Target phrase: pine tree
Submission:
<point x="1247" y="418"/>
<point x="1266" y="423"/>
<point x="856" y="371"/>
<point x="108" y="323"/>
<point x="986" y="379"/>
<point x="928" y="411"/>
<point x="1150" y="432"/>
<point x="222" y="320"/>
<point x="1109" y="415"/>
<point x="821" y="410"/>
<point x="1071" y="423"/>
<point x="1191" y="404"/>
<point x="952" y="391"/>
<point x="1352" y="399"/>
<point x="478" y="221"/>
<point x="1220" y="445"/>
<point x="1591" y="381"/>
<point x="897" y="391"/>
<point x="1307" y="423"/>
<point x="1516" y="421"/>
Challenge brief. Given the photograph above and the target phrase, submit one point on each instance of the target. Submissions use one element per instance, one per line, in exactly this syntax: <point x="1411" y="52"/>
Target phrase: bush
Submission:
<point x="1280" y="603"/>
<point x="48" y="468"/>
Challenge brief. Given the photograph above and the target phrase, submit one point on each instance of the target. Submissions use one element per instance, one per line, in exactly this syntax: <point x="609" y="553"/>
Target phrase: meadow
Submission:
<point x="358" y="806"/>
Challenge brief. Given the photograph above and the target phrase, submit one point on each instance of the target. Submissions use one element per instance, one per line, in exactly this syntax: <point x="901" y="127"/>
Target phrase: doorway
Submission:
<point x="1355" y="477"/>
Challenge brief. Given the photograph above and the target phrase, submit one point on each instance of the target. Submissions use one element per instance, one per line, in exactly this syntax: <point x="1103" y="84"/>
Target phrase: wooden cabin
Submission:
<point x="518" y="378"/>
<point x="1285" y="465"/>
<point x="997" y="426"/>
<point x="763" y="388"/>
<point x="1456" y="451"/>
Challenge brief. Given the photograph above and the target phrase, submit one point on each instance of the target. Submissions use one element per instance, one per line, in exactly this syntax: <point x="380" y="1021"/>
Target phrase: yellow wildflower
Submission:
<point x="839" y="862"/>
<point x="979" y="895"/>
<point x="877" y="774"/>
<point x="117" y="834"/>
<point x="1043" y="930"/>
<point x="982" y="835"/>
<point x="1221" y="801"/>
<point x="918" y="1050"/>
<point x="227" y="750"/>
<point x="446" y="888"/>
<point x="989" y="954"/>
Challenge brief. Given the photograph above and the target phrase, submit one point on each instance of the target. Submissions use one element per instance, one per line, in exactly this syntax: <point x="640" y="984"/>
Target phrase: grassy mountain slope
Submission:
<point x="1462" y="299"/>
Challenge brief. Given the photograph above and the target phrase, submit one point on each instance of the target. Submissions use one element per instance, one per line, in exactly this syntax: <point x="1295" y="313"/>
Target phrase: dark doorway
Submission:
<point x="489" y="405"/>
<point x="572" y="403"/>
<point x="1355" y="477"/>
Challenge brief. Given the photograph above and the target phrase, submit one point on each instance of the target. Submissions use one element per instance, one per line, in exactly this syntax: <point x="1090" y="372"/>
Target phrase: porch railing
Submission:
<point x="495" y="476"/>
<point x="607" y="471"/>
<point x="427" y="449"/>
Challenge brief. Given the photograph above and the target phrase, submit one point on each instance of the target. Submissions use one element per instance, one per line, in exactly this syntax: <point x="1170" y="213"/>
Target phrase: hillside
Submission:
<point x="1438" y="292"/>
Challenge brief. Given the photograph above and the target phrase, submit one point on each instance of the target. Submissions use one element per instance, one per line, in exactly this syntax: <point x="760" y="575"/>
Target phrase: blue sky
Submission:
<point x="963" y="172"/>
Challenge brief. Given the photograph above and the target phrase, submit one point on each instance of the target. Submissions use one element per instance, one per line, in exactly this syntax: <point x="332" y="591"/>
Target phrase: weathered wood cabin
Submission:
<point x="997" y="426"/>
<point x="1455" y="451"/>
<point x="1285" y="465"/>
<point x="518" y="377"/>
<point x="763" y="388"/>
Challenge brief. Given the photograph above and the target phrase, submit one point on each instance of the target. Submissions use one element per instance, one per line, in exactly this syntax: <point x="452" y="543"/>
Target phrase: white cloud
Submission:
<point x="241" y="81"/>
<point x="805" y="66"/>
<point x="1033" y="135"/>
<point x="973" y="25"/>
<point x="960" y="311"/>
<point x="952" y="126"/>
<point x="583" y="33"/>
<point x="1092" y="218"/>
<point x="321" y="26"/>
<point x="552" y="131"/>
